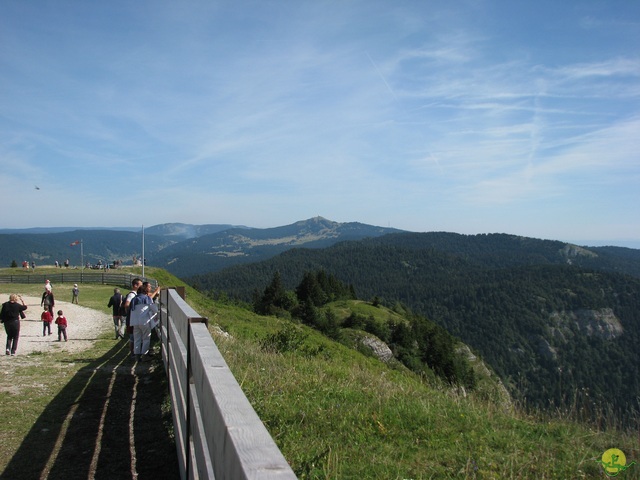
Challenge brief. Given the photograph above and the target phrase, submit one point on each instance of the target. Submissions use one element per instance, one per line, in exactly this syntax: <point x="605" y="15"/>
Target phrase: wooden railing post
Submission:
<point x="189" y="382"/>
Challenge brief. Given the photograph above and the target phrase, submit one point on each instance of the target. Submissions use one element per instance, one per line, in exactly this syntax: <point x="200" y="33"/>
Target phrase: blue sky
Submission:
<point x="475" y="116"/>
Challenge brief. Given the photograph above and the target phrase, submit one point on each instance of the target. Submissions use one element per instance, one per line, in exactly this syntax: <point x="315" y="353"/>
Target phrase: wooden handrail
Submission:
<point x="218" y="433"/>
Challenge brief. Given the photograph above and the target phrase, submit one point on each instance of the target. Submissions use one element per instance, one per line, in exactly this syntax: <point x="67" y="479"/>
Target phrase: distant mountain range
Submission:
<point x="180" y="231"/>
<point x="182" y="249"/>
<point x="187" y="250"/>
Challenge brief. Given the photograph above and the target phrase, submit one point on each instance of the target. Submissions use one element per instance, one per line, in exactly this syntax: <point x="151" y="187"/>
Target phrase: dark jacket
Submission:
<point x="47" y="298"/>
<point x="11" y="311"/>
<point x="115" y="302"/>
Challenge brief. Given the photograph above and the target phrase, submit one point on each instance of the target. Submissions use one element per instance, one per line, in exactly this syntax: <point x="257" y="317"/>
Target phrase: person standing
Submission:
<point x="143" y="311"/>
<point x="48" y="301"/>
<point x="116" y="303"/>
<point x="75" y="291"/>
<point x="46" y="318"/>
<point x="10" y="315"/>
<point x="135" y="285"/>
<point x="61" y="321"/>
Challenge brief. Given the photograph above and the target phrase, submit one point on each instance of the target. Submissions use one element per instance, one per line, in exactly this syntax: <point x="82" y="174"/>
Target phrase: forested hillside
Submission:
<point x="234" y="246"/>
<point x="323" y="302"/>
<point x="558" y="334"/>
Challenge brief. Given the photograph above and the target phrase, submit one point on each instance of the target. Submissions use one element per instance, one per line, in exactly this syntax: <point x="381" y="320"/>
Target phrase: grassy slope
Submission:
<point x="335" y="413"/>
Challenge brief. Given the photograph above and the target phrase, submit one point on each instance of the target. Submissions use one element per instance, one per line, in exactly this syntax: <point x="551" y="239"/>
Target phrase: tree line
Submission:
<point x="416" y="342"/>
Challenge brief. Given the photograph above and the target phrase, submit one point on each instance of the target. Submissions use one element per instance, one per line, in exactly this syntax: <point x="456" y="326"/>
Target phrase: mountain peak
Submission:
<point x="317" y="221"/>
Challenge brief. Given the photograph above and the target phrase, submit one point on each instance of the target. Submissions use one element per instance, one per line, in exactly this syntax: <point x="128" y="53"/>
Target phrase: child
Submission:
<point x="61" y="321"/>
<point x="46" y="318"/>
<point x="75" y="292"/>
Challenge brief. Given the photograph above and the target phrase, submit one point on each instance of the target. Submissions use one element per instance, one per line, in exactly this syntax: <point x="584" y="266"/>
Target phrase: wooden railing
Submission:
<point x="218" y="433"/>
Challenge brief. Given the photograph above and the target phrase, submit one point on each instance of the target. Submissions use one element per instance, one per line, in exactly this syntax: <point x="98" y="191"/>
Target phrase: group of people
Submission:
<point x="13" y="311"/>
<point x="61" y="321"/>
<point x="137" y="315"/>
<point x="48" y="300"/>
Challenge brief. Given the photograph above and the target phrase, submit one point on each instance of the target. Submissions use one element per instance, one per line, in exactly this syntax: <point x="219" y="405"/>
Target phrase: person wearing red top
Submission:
<point x="46" y="318"/>
<point x="61" y="321"/>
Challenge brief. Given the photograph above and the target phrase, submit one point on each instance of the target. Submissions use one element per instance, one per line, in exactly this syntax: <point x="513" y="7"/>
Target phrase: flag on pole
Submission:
<point x="73" y="244"/>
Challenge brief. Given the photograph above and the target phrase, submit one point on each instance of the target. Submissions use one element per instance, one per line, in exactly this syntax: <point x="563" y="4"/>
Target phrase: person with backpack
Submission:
<point x="143" y="314"/>
<point x="135" y="285"/>
<point x="116" y="302"/>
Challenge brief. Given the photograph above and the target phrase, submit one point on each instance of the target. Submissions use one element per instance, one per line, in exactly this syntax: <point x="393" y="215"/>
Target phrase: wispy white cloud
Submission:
<point x="609" y="68"/>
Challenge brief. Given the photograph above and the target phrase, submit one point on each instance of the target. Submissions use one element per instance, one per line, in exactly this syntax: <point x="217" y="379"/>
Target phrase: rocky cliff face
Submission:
<point x="570" y="252"/>
<point x="602" y="323"/>
<point x="564" y="326"/>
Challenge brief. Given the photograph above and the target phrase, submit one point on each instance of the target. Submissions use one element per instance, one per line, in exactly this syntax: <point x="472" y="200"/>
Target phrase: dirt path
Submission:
<point x="85" y="326"/>
<point x="110" y="420"/>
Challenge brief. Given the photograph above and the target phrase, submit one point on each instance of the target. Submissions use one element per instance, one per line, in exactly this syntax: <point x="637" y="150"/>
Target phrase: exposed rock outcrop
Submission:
<point x="602" y="323"/>
<point x="572" y="251"/>
<point x="380" y="349"/>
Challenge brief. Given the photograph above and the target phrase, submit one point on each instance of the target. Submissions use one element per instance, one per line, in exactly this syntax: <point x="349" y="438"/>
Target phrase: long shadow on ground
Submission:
<point x="107" y="422"/>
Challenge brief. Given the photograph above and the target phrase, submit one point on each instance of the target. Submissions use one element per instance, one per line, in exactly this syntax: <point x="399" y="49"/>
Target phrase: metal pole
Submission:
<point x="143" y="252"/>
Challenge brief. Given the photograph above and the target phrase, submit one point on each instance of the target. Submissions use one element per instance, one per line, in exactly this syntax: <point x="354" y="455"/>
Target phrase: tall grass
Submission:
<point x="339" y="414"/>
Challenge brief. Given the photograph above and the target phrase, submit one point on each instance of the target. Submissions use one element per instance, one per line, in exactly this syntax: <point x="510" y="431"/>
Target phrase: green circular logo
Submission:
<point x="614" y="461"/>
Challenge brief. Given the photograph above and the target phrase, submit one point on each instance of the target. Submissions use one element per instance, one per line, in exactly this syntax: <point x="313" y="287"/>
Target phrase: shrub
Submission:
<point x="289" y="338"/>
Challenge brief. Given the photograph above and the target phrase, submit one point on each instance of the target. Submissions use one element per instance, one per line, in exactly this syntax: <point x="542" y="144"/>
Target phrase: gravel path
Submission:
<point x="85" y="326"/>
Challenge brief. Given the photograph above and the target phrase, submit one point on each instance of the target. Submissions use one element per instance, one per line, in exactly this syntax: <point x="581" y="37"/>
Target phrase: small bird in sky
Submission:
<point x="37" y="187"/>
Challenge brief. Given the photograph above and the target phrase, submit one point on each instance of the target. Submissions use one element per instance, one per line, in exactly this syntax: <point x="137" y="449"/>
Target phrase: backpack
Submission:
<point x="123" y="310"/>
